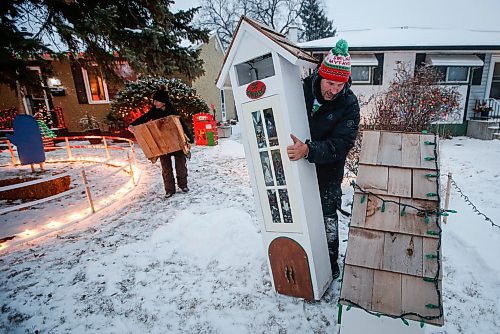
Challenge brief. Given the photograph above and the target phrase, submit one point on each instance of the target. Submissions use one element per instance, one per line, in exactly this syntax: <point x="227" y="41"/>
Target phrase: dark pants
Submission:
<point x="168" y="173"/>
<point x="331" y="200"/>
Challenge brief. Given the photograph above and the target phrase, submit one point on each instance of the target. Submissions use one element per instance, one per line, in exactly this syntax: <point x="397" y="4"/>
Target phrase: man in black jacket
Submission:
<point x="333" y="113"/>
<point x="162" y="107"/>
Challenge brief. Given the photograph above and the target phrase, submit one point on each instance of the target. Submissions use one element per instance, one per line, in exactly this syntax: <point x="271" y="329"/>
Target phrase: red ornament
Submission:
<point x="256" y="89"/>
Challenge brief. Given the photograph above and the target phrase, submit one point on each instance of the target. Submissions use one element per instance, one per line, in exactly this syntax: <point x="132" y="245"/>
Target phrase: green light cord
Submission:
<point x="403" y="212"/>
<point x="339" y="315"/>
<point x="432" y="306"/>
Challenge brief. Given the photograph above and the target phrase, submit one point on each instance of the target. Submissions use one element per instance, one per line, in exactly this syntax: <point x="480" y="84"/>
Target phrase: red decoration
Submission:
<point x="256" y="89"/>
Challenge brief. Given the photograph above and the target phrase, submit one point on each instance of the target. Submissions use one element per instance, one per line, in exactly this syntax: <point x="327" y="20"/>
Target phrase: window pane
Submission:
<point x="259" y="129"/>
<point x="96" y="87"/>
<point x="273" y="204"/>
<point x="271" y="127"/>
<point x="285" y="206"/>
<point x="457" y="73"/>
<point x="278" y="167"/>
<point x="360" y="73"/>
<point x="266" y="168"/>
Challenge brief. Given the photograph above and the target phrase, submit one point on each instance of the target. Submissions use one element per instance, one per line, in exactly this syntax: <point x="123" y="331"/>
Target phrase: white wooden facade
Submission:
<point x="286" y="193"/>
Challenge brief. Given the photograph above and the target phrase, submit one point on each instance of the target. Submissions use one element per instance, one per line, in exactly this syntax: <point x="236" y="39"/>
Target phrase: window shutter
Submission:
<point x="477" y="72"/>
<point x="81" y="93"/>
<point x="378" y="72"/>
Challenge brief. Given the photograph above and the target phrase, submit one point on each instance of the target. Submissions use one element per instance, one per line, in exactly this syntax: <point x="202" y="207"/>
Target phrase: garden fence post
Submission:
<point x="106" y="147"/>
<point x="447" y="197"/>
<point x="87" y="191"/>
<point x="68" y="149"/>
<point x="131" y="169"/>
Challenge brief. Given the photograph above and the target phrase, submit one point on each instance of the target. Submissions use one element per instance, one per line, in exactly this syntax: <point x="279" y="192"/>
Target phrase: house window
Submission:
<point x="453" y="74"/>
<point x="367" y="68"/>
<point x="457" y="74"/>
<point x="95" y="85"/>
<point x="361" y="74"/>
<point x="454" y="69"/>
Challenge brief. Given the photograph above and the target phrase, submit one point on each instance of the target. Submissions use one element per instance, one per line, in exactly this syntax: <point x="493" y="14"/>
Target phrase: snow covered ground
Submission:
<point x="195" y="263"/>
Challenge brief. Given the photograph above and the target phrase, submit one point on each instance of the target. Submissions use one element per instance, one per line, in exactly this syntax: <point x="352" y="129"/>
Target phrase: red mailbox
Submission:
<point x="205" y="129"/>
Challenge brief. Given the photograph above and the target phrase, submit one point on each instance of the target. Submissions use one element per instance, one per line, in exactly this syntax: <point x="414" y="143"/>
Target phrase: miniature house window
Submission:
<point x="255" y="69"/>
<point x="272" y="166"/>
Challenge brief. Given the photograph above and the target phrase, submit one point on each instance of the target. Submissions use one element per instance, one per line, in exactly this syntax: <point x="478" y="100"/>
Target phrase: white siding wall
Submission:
<point x="479" y="91"/>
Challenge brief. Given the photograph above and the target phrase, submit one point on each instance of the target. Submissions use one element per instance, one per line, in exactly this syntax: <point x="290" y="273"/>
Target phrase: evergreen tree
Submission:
<point x="135" y="99"/>
<point x="144" y="32"/>
<point x="44" y="130"/>
<point x="315" y="23"/>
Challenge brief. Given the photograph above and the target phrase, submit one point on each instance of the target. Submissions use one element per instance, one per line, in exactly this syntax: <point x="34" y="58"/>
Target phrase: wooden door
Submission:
<point x="290" y="268"/>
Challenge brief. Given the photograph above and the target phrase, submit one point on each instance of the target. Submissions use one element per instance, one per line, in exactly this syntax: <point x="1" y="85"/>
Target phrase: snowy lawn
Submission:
<point x="195" y="263"/>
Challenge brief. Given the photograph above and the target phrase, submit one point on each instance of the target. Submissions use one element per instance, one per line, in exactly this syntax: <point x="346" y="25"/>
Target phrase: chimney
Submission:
<point x="292" y="34"/>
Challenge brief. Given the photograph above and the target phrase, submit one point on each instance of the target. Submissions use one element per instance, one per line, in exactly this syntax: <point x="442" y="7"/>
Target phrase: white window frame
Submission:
<point x="457" y="81"/>
<point x="370" y="73"/>
<point x="89" y="92"/>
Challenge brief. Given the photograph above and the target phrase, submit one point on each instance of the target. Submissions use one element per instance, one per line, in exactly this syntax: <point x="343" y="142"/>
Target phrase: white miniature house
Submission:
<point x="265" y="70"/>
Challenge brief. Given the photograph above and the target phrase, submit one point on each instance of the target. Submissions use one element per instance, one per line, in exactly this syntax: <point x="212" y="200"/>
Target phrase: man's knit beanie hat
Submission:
<point x="337" y="64"/>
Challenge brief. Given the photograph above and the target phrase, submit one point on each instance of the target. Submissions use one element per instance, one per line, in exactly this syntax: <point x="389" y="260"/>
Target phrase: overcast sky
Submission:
<point x="363" y="14"/>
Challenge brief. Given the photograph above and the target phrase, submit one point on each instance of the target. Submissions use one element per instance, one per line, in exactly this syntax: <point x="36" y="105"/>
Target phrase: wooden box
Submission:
<point x="161" y="136"/>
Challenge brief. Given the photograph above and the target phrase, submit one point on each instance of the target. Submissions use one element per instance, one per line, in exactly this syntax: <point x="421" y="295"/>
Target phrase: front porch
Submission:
<point x="485" y="122"/>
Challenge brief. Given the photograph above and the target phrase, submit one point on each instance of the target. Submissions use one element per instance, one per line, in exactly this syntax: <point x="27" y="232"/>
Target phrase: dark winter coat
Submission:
<point x="333" y="127"/>
<point x="155" y="113"/>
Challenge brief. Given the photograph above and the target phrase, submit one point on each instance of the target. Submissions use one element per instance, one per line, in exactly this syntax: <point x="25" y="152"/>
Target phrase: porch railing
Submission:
<point x="485" y="109"/>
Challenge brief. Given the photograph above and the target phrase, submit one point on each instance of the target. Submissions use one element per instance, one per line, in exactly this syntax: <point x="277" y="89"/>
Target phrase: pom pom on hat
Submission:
<point x="160" y="96"/>
<point x="337" y="64"/>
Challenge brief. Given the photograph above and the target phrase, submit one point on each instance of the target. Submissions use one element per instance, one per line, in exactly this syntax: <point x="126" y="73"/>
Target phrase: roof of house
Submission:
<point x="279" y="39"/>
<point x="411" y="38"/>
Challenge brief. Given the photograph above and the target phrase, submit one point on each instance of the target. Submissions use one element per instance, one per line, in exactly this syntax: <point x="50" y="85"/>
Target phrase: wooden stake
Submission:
<point x="87" y="191"/>
<point x="68" y="149"/>
<point x="106" y="147"/>
<point x="447" y="197"/>
<point x="12" y="156"/>
<point x="133" y="153"/>
<point x="131" y="169"/>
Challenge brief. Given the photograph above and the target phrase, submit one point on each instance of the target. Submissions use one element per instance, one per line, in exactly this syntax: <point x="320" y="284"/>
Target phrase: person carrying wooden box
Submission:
<point x="162" y="107"/>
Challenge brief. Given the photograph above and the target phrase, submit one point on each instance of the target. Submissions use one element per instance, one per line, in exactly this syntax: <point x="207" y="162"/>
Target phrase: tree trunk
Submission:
<point x="20" y="96"/>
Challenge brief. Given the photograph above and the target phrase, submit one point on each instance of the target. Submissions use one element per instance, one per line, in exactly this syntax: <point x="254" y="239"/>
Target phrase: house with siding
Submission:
<point x="222" y="100"/>
<point x="63" y="98"/>
<point x="75" y="90"/>
<point x="468" y="59"/>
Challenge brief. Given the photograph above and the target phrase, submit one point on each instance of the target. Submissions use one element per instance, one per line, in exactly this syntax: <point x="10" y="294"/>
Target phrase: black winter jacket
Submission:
<point x="333" y="127"/>
<point x="155" y="113"/>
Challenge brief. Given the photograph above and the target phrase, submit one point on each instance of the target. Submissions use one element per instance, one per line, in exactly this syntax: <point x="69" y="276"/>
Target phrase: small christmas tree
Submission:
<point x="135" y="99"/>
<point x="44" y="129"/>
